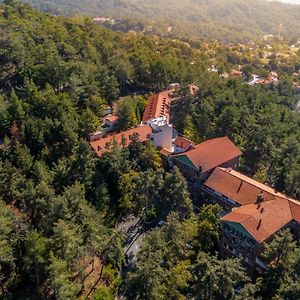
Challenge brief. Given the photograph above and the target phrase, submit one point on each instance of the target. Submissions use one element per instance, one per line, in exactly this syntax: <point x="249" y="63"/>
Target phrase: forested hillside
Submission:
<point x="226" y="20"/>
<point x="61" y="207"/>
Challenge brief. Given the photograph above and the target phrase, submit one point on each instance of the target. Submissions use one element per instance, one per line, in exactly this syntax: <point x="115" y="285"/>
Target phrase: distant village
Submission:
<point x="268" y="48"/>
<point x="252" y="212"/>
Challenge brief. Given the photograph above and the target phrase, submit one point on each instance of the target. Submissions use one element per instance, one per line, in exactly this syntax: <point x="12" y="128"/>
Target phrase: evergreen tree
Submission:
<point x="8" y="241"/>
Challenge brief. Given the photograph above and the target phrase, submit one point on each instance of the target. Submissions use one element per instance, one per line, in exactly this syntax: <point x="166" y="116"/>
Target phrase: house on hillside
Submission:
<point x="273" y="77"/>
<point x="193" y="89"/>
<point x="236" y="73"/>
<point x="173" y="87"/>
<point x="110" y="123"/>
<point x="255" y="79"/>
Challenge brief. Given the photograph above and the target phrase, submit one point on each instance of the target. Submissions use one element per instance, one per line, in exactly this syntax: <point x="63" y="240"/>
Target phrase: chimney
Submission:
<point x="240" y="186"/>
<point x="260" y="197"/>
<point x="200" y="169"/>
<point x="262" y="210"/>
<point x="258" y="225"/>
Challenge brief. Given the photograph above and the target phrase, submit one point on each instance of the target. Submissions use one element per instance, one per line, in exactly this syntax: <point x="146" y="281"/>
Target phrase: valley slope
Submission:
<point x="226" y="20"/>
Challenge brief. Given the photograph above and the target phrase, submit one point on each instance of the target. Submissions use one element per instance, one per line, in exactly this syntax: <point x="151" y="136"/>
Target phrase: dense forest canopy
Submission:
<point x="61" y="207"/>
<point x="226" y="20"/>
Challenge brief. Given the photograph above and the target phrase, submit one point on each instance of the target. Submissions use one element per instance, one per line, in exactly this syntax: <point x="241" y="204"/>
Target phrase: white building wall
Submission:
<point x="163" y="138"/>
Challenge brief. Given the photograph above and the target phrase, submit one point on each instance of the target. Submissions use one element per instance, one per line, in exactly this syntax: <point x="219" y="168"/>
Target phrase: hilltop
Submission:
<point x="230" y="20"/>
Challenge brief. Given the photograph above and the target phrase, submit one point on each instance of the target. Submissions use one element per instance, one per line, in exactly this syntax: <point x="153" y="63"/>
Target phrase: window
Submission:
<point x="225" y="226"/>
<point x="250" y="251"/>
<point x="251" y="242"/>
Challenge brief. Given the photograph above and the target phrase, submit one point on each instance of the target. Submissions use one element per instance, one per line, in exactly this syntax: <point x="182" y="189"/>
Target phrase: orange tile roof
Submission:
<point x="212" y="153"/>
<point x="193" y="89"/>
<point x="158" y="106"/>
<point x="295" y="209"/>
<point x="103" y="145"/>
<point x="165" y="152"/>
<point x="235" y="72"/>
<point x="183" y="143"/>
<point x="238" y="187"/>
<point x="260" y="220"/>
<point x="262" y="81"/>
<point x="273" y="76"/>
<point x="264" y="220"/>
<point x="112" y="118"/>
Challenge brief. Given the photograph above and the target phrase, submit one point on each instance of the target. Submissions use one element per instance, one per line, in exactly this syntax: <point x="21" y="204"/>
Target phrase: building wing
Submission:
<point x="212" y="153"/>
<point x="158" y="106"/>
<point x="122" y="139"/>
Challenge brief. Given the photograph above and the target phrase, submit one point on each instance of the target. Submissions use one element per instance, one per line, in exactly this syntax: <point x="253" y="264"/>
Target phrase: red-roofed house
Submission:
<point x="273" y="77"/>
<point x="253" y="211"/>
<point x="110" y="123"/>
<point x="110" y="120"/>
<point x="197" y="163"/>
<point x="247" y="228"/>
<point x="193" y="89"/>
<point x="158" y="106"/>
<point x="122" y="139"/>
<point x="182" y="144"/>
<point x="236" y="73"/>
<point x="230" y="189"/>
